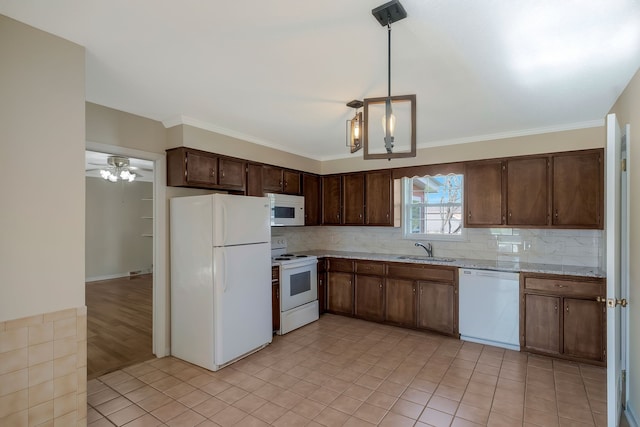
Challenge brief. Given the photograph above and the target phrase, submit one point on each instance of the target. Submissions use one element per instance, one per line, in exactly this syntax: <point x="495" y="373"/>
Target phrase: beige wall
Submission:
<point x="115" y="224"/>
<point x="627" y="109"/>
<point x="114" y="127"/>
<point x="210" y="141"/>
<point x="533" y="144"/>
<point x="42" y="313"/>
<point x="42" y="166"/>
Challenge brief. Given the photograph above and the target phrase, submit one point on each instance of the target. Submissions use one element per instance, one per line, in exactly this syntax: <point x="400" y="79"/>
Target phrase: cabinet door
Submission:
<point x="578" y="189"/>
<point x="290" y="182"/>
<point x="275" y="306"/>
<point x="340" y="292"/>
<point x="271" y="179"/>
<point x="353" y="199"/>
<point x="202" y="169"/>
<point x="483" y="193"/>
<point x="254" y="180"/>
<point x="369" y="299"/>
<point x="528" y="191"/>
<point x="322" y="290"/>
<point x="311" y="191"/>
<point x="542" y="323"/>
<point x="583" y="333"/>
<point x="400" y="302"/>
<point x="378" y="198"/>
<point x="436" y="309"/>
<point x="231" y="173"/>
<point x="331" y="199"/>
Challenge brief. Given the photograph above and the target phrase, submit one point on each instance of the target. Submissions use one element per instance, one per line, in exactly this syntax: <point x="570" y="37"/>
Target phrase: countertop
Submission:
<point x="520" y="267"/>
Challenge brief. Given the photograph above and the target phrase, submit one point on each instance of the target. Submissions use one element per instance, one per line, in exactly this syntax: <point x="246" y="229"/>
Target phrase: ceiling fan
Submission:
<point x="118" y="168"/>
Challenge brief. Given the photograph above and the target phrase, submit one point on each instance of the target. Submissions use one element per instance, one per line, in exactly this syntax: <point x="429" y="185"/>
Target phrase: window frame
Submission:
<point x="407" y="197"/>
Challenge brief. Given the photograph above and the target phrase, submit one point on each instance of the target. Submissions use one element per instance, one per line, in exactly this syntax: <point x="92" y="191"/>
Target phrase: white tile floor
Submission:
<point x="347" y="372"/>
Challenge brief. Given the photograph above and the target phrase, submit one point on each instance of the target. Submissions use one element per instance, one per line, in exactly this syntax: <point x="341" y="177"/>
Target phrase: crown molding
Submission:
<point x="185" y="120"/>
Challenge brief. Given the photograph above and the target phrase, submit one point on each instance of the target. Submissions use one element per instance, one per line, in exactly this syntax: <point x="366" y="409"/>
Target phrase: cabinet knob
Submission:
<point x="213" y="172"/>
<point x="567" y="308"/>
<point x="509" y="214"/>
<point x="380" y="285"/>
<point x="469" y="214"/>
<point x="222" y="173"/>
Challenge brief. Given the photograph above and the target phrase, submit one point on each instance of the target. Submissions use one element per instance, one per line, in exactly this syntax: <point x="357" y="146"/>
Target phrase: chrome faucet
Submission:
<point x="428" y="248"/>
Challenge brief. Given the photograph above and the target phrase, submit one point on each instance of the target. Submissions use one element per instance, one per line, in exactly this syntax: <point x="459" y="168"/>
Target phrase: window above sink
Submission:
<point x="432" y="207"/>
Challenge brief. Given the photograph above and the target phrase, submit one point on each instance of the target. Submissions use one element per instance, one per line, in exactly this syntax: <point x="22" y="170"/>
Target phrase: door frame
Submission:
<point x="160" y="326"/>
<point x="614" y="264"/>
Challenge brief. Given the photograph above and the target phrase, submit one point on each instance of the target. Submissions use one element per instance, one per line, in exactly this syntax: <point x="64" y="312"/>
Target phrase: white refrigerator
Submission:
<point x="220" y="278"/>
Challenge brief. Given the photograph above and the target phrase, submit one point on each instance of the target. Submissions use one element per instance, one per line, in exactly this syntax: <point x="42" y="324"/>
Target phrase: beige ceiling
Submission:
<point x="280" y="72"/>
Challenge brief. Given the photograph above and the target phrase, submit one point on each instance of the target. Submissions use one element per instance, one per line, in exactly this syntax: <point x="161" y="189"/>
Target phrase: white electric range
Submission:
<point x="298" y="286"/>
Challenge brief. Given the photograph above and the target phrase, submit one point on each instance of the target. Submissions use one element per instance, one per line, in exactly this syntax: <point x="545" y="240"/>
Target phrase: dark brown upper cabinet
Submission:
<point x="187" y="167"/>
<point x="483" y="193"/>
<point x="378" y="198"/>
<point x="578" y="189"/>
<point x="279" y="180"/>
<point x="353" y="199"/>
<point x="560" y="190"/>
<point x="254" y="180"/>
<point x="331" y="200"/>
<point x="312" y="200"/>
<point x="527" y="191"/>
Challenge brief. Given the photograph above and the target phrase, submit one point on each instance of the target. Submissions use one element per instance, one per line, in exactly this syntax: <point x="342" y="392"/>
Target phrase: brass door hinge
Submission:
<point x="612" y="302"/>
<point x="623" y="165"/>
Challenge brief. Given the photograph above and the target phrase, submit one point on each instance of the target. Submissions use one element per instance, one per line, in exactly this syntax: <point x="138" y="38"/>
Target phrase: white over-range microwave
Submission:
<point x="286" y="210"/>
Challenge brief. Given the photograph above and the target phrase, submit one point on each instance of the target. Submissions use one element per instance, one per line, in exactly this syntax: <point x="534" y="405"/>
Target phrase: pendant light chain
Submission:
<point x="389" y="58"/>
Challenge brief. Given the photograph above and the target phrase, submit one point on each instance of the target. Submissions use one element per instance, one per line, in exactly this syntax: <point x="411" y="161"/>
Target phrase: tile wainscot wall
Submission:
<point x="43" y="369"/>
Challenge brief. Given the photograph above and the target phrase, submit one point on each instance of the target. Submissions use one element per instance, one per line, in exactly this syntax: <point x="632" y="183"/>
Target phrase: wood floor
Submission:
<point x="119" y="323"/>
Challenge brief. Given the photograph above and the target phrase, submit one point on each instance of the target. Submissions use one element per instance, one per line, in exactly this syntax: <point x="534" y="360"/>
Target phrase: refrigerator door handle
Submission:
<point x="224" y="271"/>
<point x="224" y="221"/>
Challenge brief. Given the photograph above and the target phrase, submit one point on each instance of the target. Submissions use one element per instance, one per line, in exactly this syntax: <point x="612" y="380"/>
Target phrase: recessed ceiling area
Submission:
<point x="280" y="73"/>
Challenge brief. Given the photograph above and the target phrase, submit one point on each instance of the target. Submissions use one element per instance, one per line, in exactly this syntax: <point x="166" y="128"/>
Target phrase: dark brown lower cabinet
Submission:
<point x="400" y="302"/>
<point x="563" y="316"/>
<point x="543" y="323"/>
<point x="340" y="292"/>
<point x="322" y="286"/>
<point x="583" y="328"/>
<point x="275" y="298"/>
<point x="436" y="309"/>
<point x="369" y="297"/>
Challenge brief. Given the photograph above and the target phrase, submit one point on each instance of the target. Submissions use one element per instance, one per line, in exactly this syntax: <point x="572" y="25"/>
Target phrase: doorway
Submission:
<point x="125" y="291"/>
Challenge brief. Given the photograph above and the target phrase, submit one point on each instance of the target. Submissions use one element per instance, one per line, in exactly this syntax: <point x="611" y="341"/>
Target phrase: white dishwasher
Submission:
<point x="489" y="307"/>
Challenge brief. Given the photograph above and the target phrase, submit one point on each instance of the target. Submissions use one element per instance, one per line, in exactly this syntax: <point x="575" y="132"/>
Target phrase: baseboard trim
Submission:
<point x="106" y="277"/>
<point x="631" y="416"/>
<point x="133" y="273"/>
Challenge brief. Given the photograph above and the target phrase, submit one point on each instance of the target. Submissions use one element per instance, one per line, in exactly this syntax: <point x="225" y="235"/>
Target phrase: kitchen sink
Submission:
<point x="425" y="258"/>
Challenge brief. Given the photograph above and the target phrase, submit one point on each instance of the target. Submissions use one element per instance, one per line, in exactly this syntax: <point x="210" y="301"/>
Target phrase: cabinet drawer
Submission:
<point x="370" y="267"/>
<point x="419" y="272"/>
<point x="275" y="273"/>
<point x="565" y="287"/>
<point x="334" y="264"/>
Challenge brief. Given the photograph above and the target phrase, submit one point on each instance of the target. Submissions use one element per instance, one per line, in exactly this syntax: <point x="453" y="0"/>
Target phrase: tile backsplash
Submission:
<point x="544" y="246"/>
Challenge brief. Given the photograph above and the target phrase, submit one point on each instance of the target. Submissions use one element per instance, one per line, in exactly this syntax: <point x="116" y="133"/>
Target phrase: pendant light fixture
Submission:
<point x="354" y="127"/>
<point x="398" y="128"/>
